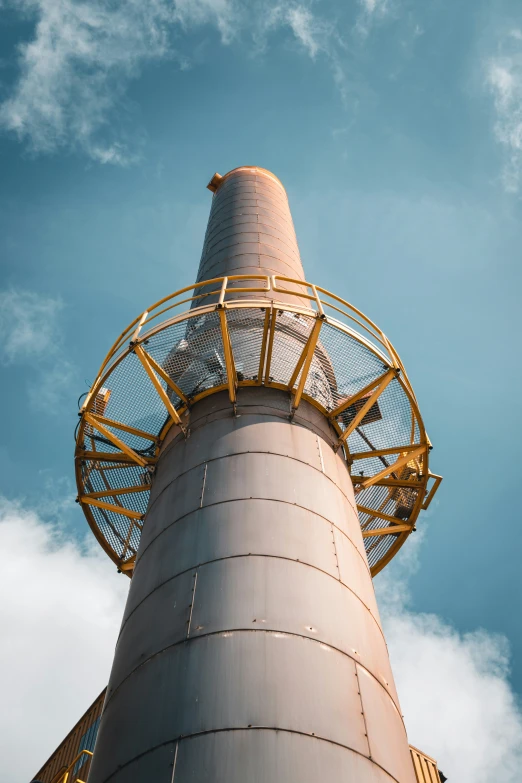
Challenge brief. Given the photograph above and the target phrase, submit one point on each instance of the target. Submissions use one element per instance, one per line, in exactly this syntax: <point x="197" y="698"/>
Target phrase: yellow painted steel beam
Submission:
<point x="304" y="353"/>
<point x="386" y="531"/>
<point x="109" y="493"/>
<point x="381" y="515"/>
<point x="143" y="357"/>
<point x="270" y="345"/>
<point x="359" y="416"/>
<point x="112" y="456"/>
<point x="114" y="439"/>
<point x="358" y="396"/>
<point x="307" y="355"/>
<point x="164" y="376"/>
<point x="125" y="427"/>
<point x="404" y="483"/>
<point x="392" y="450"/>
<point x="391" y="468"/>
<point x="109" y="507"/>
<point x="229" y="356"/>
<point x="433" y="489"/>
<point x="264" y="339"/>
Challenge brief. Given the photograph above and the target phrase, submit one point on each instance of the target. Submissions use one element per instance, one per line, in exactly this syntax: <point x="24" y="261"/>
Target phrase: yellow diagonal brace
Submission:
<point x="360" y="394"/>
<point x="109" y="507"/>
<point x="114" y="439"/>
<point x="262" y="353"/>
<point x="386" y="379"/>
<point x="143" y="357"/>
<point x="312" y="342"/>
<point x="111" y="493"/>
<point x="381" y="515"/>
<point x="165" y="376"/>
<point x="229" y="357"/>
<point x="386" y="531"/>
<point x="392" y="468"/>
<point x="124" y="427"/>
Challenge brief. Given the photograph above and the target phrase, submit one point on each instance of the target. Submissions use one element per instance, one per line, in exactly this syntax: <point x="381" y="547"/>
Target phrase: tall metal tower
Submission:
<point x="252" y="452"/>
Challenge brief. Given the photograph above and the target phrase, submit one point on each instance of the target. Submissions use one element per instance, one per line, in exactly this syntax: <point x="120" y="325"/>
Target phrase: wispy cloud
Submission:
<point x="61" y="609"/>
<point x="28" y="325"/>
<point x="454" y="687"/>
<point x="77" y="68"/>
<point x="30" y="334"/>
<point x="371" y="11"/>
<point x="504" y="81"/>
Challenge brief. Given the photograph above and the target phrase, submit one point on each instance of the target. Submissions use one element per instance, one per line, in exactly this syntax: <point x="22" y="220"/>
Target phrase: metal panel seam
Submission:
<point x="293" y="634"/>
<point x="251" y="554"/>
<point x="271" y="500"/>
<point x="183" y="737"/>
<point x="239" y="454"/>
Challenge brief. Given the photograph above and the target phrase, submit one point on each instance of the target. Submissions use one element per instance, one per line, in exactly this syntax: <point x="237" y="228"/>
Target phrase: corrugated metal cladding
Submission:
<point x="251" y="647"/>
<point x="65" y="754"/>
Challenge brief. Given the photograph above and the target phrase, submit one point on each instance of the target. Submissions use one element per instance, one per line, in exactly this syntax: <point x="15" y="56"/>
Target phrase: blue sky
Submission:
<point x="396" y="127"/>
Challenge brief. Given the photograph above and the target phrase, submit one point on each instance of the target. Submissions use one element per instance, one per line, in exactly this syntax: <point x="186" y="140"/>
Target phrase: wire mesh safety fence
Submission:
<point x="165" y="362"/>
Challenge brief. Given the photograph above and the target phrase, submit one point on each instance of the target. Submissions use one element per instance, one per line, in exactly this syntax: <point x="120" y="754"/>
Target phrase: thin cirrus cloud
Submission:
<point x="30" y="336"/>
<point x="77" y="67"/>
<point x="504" y="81"/>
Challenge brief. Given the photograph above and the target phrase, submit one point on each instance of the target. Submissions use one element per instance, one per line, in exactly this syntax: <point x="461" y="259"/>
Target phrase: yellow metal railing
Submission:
<point x="326" y="339"/>
<point x="426" y="769"/>
<point x="68" y="775"/>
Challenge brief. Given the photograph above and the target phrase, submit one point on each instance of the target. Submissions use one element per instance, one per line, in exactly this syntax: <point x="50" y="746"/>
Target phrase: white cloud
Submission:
<point x="454" y="688"/>
<point x="60" y="613"/>
<point x="504" y="80"/>
<point x="30" y="334"/>
<point x="75" y="71"/>
<point x="28" y="325"/>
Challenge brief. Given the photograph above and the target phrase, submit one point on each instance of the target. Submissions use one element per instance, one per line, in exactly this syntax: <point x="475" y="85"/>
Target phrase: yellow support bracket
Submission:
<point x="90" y="501"/>
<point x="124" y="427"/>
<point x="305" y="360"/>
<point x="93" y="420"/>
<point x="111" y="493"/>
<point x="144" y="359"/>
<point x="386" y="531"/>
<point x="434" y="488"/>
<point x="381" y="515"/>
<point x="229" y="356"/>
<point x="359" y="395"/>
<point x="369" y="482"/>
<point x="385" y="380"/>
<point x="392" y="450"/>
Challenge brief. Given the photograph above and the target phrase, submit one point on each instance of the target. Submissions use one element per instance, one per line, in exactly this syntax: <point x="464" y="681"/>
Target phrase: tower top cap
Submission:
<point x="218" y="179"/>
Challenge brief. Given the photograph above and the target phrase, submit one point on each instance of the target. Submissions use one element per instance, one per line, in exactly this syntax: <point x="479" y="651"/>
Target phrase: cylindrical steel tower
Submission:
<point x="251" y="648"/>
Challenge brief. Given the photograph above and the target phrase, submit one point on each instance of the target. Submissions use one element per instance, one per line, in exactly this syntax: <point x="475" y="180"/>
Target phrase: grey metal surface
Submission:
<point x="251" y="647"/>
<point x="250" y="231"/>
